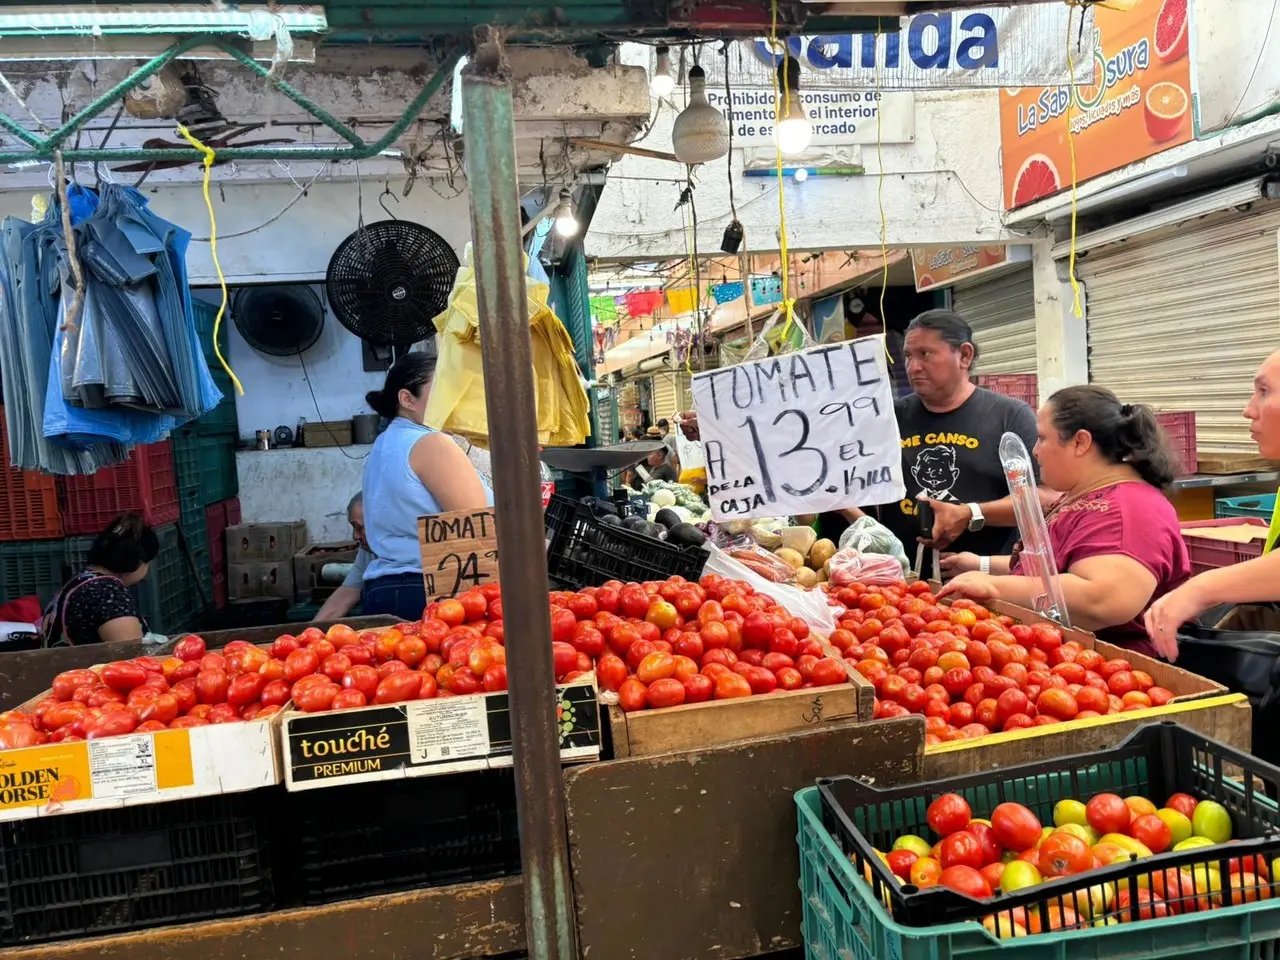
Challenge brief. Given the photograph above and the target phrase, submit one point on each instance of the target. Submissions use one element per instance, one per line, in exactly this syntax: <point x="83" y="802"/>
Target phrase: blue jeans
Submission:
<point x="402" y="595"/>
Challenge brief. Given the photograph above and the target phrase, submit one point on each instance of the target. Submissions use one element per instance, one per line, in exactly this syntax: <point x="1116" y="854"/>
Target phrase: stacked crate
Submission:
<point x="219" y="516"/>
<point x="30" y="530"/>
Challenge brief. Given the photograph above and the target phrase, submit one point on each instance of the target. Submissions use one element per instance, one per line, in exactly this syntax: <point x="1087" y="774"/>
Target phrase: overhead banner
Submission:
<point x="1137" y="104"/>
<point x="940" y="266"/>
<point x="837" y="117"/>
<point x="801" y="433"/>
<point x="1019" y="46"/>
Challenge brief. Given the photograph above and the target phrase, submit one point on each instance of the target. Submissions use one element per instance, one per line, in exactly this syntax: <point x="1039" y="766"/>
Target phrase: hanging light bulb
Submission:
<point x="700" y="133"/>
<point x="793" y="129"/>
<point x="801" y="175"/>
<point x="662" y="83"/>
<point x="565" y="221"/>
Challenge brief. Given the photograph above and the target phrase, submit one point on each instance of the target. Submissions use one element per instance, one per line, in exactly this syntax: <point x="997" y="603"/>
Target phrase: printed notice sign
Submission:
<point x="805" y="432"/>
<point x="459" y="551"/>
<point x="122" y="766"/>
<point x="445" y="730"/>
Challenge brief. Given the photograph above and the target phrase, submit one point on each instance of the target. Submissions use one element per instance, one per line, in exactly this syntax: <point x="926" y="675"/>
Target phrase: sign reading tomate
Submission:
<point x="1138" y="105"/>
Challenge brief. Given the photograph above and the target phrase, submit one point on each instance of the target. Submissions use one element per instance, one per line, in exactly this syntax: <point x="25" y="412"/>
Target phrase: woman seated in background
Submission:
<point x="1115" y="536"/>
<point x="413" y="471"/>
<point x="97" y="605"/>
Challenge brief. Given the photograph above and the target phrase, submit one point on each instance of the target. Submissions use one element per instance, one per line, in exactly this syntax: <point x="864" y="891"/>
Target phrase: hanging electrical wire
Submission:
<point x="788" y="304"/>
<point x="1071" y="147"/>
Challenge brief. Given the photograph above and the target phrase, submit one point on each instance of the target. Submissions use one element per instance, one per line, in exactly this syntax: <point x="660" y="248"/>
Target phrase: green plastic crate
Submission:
<point x="221" y="420"/>
<point x="218" y="478"/>
<point x="169" y="598"/>
<point x="205" y="313"/>
<point x="77" y="555"/>
<point x="31" y="568"/>
<point x="843" y="921"/>
<point x="1255" y="506"/>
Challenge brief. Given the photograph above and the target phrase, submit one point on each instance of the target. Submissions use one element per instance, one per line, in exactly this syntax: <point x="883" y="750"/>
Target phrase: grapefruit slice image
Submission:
<point x="1164" y="111"/>
<point x="1170" y="39"/>
<point x="1037" y="178"/>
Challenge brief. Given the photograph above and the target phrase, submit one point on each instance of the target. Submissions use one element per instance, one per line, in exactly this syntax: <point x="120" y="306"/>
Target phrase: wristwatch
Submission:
<point x="976" y="520"/>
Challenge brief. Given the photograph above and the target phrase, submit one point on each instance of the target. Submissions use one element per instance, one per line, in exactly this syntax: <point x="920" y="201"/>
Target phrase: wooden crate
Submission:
<point x="1201" y="704"/>
<point x="695" y="726"/>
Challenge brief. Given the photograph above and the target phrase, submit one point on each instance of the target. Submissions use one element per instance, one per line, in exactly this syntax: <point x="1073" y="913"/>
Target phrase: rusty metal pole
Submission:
<point x="507" y="353"/>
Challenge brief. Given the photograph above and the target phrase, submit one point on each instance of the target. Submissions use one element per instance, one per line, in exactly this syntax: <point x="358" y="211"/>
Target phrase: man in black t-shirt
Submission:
<point x="951" y="434"/>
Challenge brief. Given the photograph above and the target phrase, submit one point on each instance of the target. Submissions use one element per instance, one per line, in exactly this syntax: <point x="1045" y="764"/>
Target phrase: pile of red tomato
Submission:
<point x="971" y="672"/>
<point x="666" y="643"/>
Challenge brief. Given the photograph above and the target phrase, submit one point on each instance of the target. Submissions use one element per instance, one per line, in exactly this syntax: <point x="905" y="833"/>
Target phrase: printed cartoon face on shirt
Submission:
<point x="935" y="471"/>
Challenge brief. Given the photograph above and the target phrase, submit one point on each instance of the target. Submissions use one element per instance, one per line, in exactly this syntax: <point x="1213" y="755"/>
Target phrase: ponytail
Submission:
<point x="1123" y="433"/>
<point x="125" y="545"/>
<point x="411" y="372"/>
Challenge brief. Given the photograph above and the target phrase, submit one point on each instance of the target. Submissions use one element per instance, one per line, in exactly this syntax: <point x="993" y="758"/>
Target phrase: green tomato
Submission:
<point x="1017" y="875"/>
<point x="1192" y="843"/>
<point x="1177" y="822"/>
<point x="1069" y="811"/>
<point x="1211" y="821"/>
<point x="917" y="845"/>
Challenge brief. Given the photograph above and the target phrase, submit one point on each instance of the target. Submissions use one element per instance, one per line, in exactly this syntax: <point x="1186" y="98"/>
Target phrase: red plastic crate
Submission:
<point x="1019" y="386"/>
<point x="233" y="511"/>
<point x="1210" y="554"/>
<point x="1180" y="428"/>
<point x="219" y="589"/>
<point x="215" y="517"/>
<point x="145" y="483"/>
<point x="28" y="499"/>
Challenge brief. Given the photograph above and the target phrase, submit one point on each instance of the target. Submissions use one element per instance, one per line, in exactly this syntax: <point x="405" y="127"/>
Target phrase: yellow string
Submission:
<point x="1071" y="146"/>
<point x="884" y="223"/>
<point x="781" y="109"/>
<point x="213" y="250"/>
<point x="693" y="272"/>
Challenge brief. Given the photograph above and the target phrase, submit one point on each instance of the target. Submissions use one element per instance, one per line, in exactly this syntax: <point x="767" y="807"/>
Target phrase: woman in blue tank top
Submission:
<point x="412" y="471"/>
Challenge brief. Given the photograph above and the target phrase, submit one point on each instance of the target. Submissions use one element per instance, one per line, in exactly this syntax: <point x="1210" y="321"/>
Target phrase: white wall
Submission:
<point x="1235" y="46"/>
<point x="314" y="485"/>
<point x="943" y="188"/>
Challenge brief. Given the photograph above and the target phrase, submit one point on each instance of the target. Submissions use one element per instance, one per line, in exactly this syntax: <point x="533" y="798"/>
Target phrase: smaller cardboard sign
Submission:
<point x="459" y="551"/>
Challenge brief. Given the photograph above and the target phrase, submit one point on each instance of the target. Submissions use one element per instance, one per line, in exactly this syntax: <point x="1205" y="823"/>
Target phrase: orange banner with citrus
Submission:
<point x="1139" y="105"/>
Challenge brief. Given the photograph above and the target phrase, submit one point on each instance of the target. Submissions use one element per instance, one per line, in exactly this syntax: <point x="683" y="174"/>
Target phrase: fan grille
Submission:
<point x="388" y="281"/>
<point x="281" y="321"/>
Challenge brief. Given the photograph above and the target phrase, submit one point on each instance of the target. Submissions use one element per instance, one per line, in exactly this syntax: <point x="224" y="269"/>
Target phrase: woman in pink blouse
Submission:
<point x="1115" y="536"/>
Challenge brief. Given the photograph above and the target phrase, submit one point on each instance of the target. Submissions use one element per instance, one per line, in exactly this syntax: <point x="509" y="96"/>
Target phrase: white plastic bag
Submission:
<point x="809" y="605"/>
<point x="869" y="535"/>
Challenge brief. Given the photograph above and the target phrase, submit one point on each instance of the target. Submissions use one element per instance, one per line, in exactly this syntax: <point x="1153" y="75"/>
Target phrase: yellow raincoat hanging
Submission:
<point x="456" y="404"/>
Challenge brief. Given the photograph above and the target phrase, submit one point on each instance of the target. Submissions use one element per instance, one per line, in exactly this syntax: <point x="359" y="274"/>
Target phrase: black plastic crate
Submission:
<point x="365" y="839"/>
<point x="93" y="873"/>
<point x="582" y="552"/>
<point x="1156" y="761"/>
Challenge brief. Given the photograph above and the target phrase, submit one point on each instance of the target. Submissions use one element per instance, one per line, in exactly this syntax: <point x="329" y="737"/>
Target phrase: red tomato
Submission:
<point x="961" y="848"/>
<point x="123" y="676"/>
<point x="565" y="656"/>
<point x="1057" y="704"/>
<point x="495" y="678"/>
<point x="245" y="689"/>
<point x="274" y="693"/>
<point x="611" y="671"/>
<point x="632" y="695"/>
<point x="731" y="686"/>
<point x="986" y="838"/>
<point x="211" y="686"/>
<point x="189" y="648"/>
<point x="1108" y="813"/>
<point x="65" y="684"/>
<point x="283" y="646"/>
<point x="1184" y="803"/>
<point x="348" y="699"/>
<point x="1151" y="831"/>
<point x="387" y="669"/>
<point x="399" y="687"/>
<point x="948" y="814"/>
<point x="699" y="688"/>
<point x="474" y="605"/>
<point x="1064" y="854"/>
<point x="111" y="723"/>
<point x="656" y="666"/>
<point x="665" y="692"/>
<point x="1015" y="827"/>
<point x="300" y="663"/>
<point x="314" y="697"/>
<point x="223" y="713"/>
<point x="966" y="880"/>
<point x="828" y="672"/>
<point x="150" y="726"/>
<point x="163" y="709"/>
<point x="410" y="650"/>
<point x="360" y="677"/>
<point x="187" y="722"/>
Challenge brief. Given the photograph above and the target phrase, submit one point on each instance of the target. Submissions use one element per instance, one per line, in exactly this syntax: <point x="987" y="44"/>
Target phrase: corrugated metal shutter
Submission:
<point x="666" y="395"/>
<point x="1002" y="312"/>
<point x="1182" y="319"/>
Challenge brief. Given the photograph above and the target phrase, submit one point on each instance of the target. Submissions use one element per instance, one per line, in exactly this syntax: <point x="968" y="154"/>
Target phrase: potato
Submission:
<point x="806" y="578"/>
<point x="792" y="558"/>
<point x="820" y="553"/>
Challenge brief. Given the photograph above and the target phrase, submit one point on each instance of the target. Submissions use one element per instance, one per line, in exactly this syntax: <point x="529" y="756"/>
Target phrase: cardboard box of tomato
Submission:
<point x="421" y="738"/>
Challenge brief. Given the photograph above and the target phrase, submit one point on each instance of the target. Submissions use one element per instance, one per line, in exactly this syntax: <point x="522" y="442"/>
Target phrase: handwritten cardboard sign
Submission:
<point x="800" y="433"/>
<point x="459" y="551"/>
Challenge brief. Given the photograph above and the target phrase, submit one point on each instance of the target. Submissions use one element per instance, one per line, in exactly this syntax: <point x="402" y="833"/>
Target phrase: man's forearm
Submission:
<point x="999" y="513"/>
<point x="1254" y="581"/>
<point x="339" y="603"/>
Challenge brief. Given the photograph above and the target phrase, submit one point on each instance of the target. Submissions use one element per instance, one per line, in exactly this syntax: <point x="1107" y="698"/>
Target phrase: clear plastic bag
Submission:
<point x="852" y="566"/>
<point x="869" y="535"/>
<point x="758" y="560"/>
<point x="776" y="339"/>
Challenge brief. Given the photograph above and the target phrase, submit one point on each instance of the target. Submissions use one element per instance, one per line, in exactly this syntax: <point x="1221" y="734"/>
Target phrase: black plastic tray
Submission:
<point x="1156" y="761"/>
<point x="582" y="552"/>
